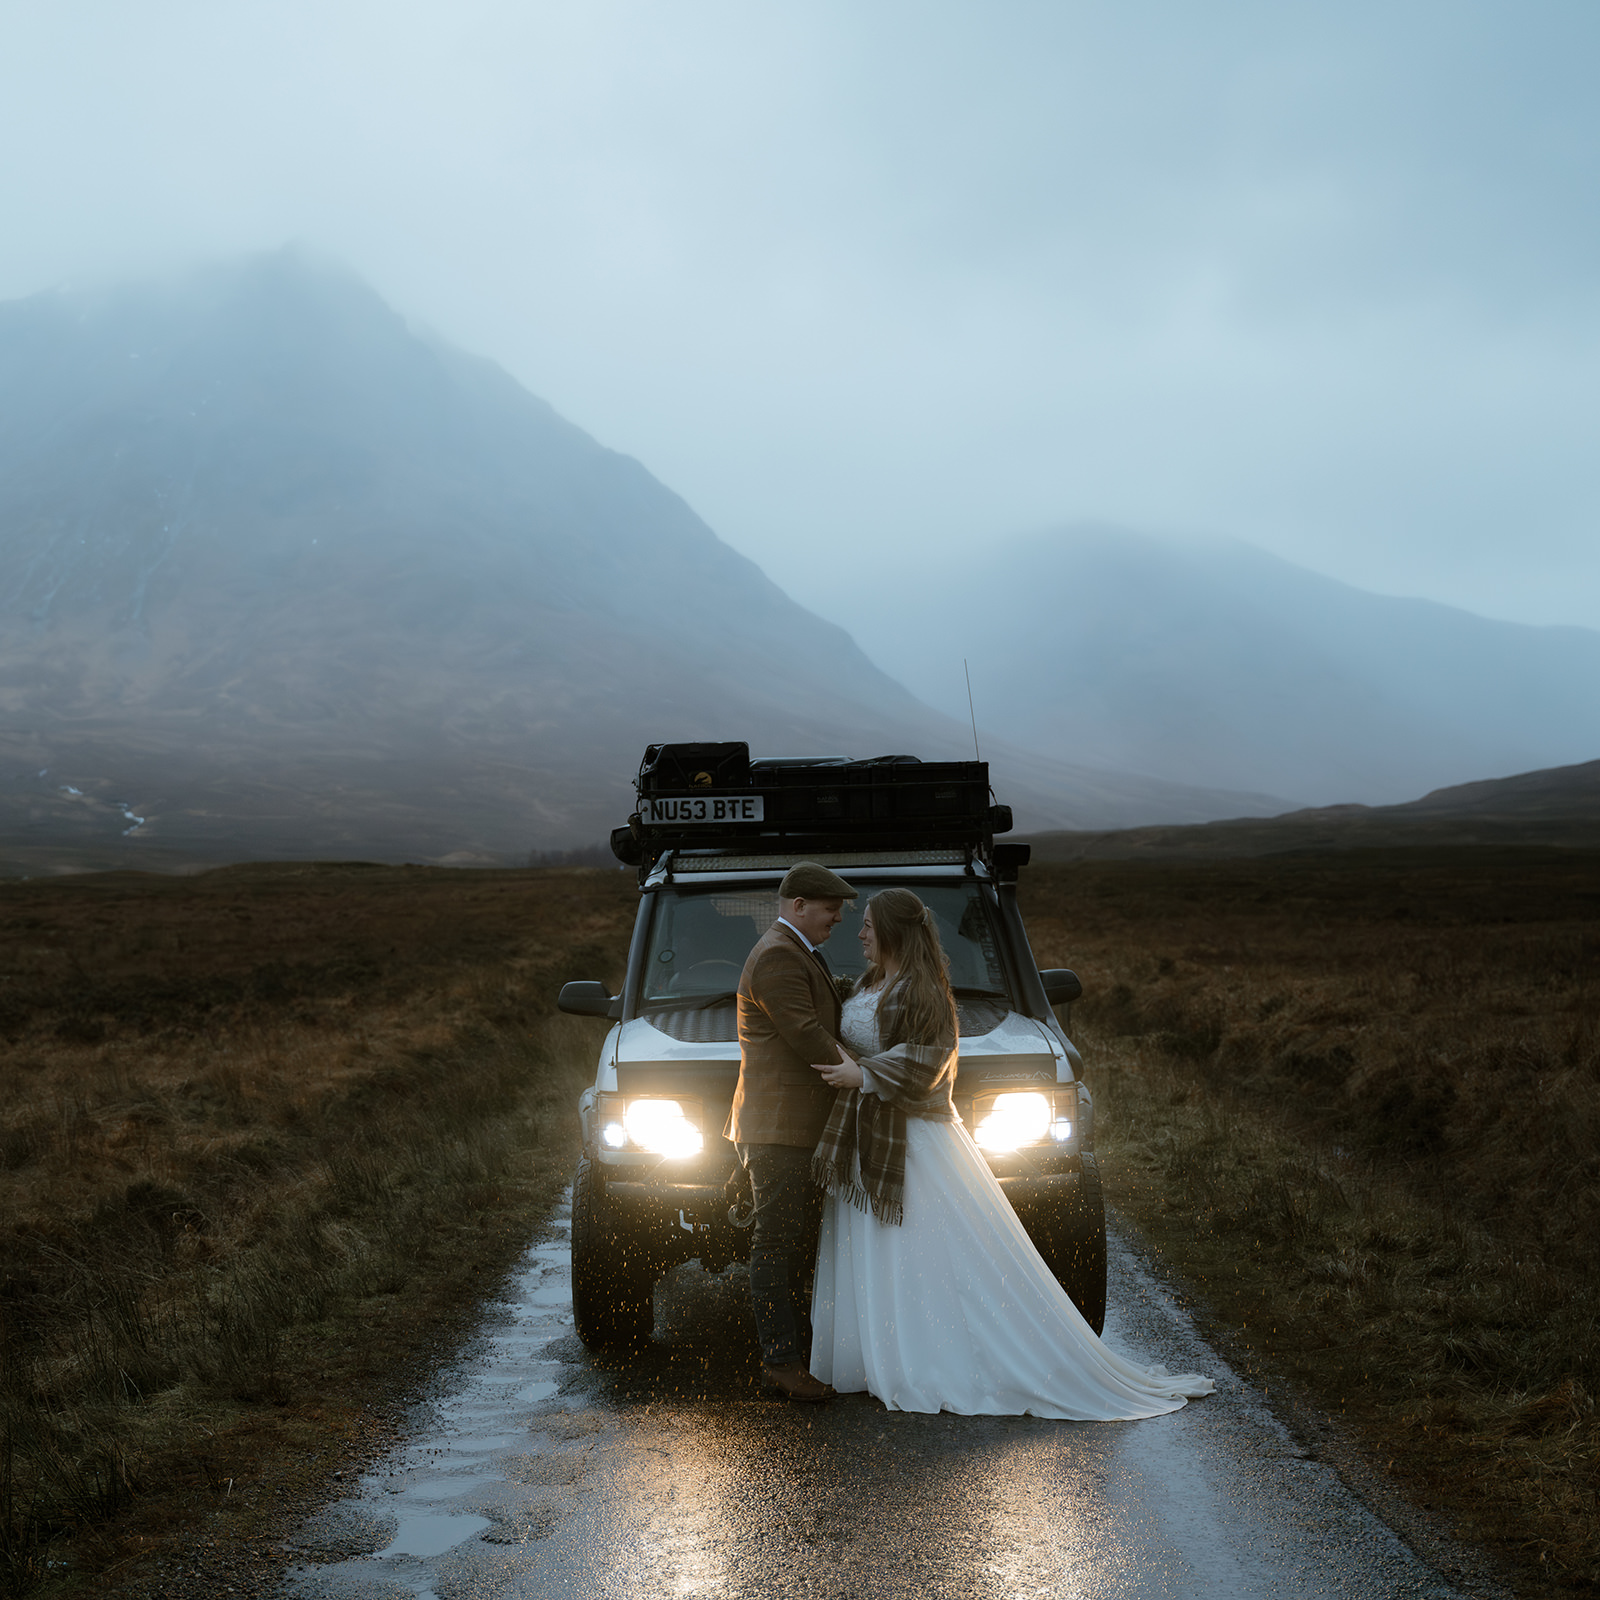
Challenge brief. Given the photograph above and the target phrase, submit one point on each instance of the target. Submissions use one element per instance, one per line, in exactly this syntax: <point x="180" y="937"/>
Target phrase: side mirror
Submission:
<point x="1061" y="986"/>
<point x="588" y="999"/>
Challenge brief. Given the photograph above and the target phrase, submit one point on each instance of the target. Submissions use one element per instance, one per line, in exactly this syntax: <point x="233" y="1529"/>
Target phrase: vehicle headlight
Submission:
<point x="667" y="1128"/>
<point x="1014" y="1119"/>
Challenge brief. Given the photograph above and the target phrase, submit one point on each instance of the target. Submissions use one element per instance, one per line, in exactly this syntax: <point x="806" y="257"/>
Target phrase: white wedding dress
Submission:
<point x="954" y="1310"/>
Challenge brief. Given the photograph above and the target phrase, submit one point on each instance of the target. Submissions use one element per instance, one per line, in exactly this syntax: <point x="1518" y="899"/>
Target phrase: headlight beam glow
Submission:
<point x="661" y="1127"/>
<point x="1015" y="1119"/>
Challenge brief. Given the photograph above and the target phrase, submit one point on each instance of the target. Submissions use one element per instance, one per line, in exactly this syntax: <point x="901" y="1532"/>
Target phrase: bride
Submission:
<point x="929" y="1294"/>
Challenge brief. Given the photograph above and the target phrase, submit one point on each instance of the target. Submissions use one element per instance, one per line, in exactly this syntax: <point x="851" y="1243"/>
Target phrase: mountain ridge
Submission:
<point x="1191" y="659"/>
<point x="285" y="578"/>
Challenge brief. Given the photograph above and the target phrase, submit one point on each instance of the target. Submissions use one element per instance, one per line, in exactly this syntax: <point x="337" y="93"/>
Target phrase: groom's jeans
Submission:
<point x="783" y="1248"/>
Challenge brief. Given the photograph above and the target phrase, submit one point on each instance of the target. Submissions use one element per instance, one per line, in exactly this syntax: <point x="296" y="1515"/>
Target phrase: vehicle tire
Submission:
<point x="1077" y="1246"/>
<point x="613" y="1277"/>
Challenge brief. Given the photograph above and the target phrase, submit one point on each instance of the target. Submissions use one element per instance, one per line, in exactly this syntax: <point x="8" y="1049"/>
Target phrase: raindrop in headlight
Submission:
<point x="1014" y="1120"/>
<point x="661" y="1127"/>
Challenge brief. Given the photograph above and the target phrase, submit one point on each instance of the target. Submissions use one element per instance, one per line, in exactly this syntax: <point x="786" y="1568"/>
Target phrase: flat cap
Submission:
<point x="810" y="880"/>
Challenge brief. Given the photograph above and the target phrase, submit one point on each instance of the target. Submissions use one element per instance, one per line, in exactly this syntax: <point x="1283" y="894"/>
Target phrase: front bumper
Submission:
<point x="1032" y="1180"/>
<point x="671" y="1195"/>
<point x="1042" y="1193"/>
<point x="688" y="1197"/>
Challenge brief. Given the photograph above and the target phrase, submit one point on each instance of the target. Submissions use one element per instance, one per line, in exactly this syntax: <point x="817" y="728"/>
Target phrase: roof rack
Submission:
<point x="715" y="797"/>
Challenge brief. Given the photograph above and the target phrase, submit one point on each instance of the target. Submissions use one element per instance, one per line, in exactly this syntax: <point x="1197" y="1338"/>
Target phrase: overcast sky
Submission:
<point x="869" y="278"/>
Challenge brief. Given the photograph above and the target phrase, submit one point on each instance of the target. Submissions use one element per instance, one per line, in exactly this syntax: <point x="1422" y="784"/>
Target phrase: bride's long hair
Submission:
<point x="919" y="1007"/>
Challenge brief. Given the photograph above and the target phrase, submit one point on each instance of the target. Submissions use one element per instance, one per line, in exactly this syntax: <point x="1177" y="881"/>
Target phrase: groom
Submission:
<point x="788" y="1019"/>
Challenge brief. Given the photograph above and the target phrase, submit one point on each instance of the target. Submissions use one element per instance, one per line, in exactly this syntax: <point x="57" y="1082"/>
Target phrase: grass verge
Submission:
<point x="263" y="1134"/>
<point x="1356" y="1103"/>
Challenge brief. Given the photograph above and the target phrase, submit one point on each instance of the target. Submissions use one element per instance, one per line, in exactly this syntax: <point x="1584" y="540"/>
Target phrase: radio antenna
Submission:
<point x="970" y="712"/>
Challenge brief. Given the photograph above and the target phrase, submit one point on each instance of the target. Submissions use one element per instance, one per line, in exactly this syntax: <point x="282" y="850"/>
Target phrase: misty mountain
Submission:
<point x="281" y="576"/>
<point x="1215" y="663"/>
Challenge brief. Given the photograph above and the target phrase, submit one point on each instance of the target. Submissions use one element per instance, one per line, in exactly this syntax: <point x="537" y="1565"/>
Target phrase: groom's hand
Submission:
<point x="845" y="1073"/>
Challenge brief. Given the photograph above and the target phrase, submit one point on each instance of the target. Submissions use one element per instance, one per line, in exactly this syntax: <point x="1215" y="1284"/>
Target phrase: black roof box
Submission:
<point x="714" y="796"/>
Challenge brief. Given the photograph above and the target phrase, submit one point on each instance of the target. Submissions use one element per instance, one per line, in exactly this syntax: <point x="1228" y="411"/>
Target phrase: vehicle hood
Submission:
<point x="1015" y="1047"/>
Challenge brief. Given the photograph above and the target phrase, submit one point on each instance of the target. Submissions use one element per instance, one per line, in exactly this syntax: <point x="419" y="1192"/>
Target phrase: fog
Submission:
<point x="874" y="283"/>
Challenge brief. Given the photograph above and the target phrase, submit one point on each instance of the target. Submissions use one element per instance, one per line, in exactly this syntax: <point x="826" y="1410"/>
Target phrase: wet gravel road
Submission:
<point x="540" y="1471"/>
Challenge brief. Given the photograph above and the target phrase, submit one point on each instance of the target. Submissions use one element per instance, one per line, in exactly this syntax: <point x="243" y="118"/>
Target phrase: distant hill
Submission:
<point x="1213" y="663"/>
<point x="1558" y="793"/>
<point x="1556" y="807"/>
<point x="281" y="577"/>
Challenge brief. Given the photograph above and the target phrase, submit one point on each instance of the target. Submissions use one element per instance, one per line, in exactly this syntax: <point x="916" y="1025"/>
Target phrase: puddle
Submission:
<point x="432" y="1533"/>
<point x="429" y="1498"/>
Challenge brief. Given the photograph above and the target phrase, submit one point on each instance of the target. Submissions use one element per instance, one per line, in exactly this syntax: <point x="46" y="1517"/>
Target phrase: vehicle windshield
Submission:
<point x="699" y="939"/>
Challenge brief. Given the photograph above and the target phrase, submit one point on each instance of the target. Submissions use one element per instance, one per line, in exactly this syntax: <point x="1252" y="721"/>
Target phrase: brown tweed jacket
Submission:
<point x="788" y="1019"/>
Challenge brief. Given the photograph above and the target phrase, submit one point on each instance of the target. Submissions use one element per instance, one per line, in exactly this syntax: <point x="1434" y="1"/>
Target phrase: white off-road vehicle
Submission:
<point x="713" y="835"/>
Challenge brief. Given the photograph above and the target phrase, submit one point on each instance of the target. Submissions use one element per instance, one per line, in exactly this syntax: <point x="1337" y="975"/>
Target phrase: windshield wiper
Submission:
<point x="689" y="1002"/>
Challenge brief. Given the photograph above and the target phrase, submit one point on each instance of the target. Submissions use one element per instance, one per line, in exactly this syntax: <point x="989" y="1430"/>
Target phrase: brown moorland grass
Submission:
<point x="1355" y="1101"/>
<point x="263" y="1132"/>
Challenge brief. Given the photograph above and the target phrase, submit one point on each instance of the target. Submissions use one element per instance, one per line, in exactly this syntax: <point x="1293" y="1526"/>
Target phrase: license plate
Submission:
<point x="677" y="810"/>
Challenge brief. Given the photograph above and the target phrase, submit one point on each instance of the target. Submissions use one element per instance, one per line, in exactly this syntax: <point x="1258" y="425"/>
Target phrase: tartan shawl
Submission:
<point x="862" y="1153"/>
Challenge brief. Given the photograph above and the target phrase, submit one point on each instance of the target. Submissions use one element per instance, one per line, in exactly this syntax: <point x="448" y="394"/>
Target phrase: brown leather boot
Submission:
<point x="793" y="1382"/>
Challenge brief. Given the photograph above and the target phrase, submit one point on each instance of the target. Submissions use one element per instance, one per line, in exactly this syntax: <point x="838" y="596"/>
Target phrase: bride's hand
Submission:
<point x="845" y="1073"/>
